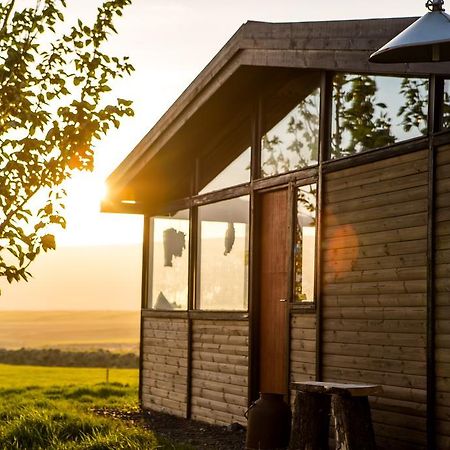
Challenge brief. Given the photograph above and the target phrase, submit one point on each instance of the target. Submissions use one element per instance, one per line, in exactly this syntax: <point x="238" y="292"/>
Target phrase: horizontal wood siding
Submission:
<point x="442" y="297"/>
<point x="374" y="290"/>
<point x="302" y="348"/>
<point x="164" y="377"/>
<point x="219" y="371"/>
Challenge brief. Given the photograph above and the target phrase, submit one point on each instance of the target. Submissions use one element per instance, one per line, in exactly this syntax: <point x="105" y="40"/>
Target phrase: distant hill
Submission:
<point x="76" y="330"/>
<point x="79" y="278"/>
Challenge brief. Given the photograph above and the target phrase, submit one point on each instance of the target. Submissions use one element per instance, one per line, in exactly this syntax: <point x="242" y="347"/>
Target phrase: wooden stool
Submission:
<point x="314" y="402"/>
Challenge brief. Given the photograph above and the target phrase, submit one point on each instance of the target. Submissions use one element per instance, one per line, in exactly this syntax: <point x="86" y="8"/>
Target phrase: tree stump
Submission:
<point x="353" y="423"/>
<point x="311" y="421"/>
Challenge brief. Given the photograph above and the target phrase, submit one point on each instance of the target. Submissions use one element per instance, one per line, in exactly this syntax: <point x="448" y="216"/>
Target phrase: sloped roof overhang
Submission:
<point x="159" y="168"/>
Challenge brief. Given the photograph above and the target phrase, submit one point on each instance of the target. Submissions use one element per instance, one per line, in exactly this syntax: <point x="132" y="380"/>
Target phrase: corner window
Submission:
<point x="305" y="244"/>
<point x="222" y="257"/>
<point x="375" y="111"/>
<point x="169" y="250"/>
<point x="291" y="137"/>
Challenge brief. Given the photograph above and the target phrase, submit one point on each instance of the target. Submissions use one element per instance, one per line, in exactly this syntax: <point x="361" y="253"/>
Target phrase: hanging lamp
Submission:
<point x="426" y="40"/>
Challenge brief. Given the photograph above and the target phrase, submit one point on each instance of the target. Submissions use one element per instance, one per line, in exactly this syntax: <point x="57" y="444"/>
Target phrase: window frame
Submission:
<point x="197" y="261"/>
<point x="149" y="243"/>
<point x="307" y="304"/>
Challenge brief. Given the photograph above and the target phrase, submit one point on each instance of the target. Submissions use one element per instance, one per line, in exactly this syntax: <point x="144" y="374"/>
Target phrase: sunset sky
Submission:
<point x="97" y="264"/>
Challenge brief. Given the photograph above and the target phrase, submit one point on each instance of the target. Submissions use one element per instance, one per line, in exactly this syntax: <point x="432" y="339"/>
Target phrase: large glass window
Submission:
<point x="374" y="111"/>
<point x="291" y="142"/>
<point x="222" y="257"/>
<point x="169" y="260"/>
<point x="237" y="172"/>
<point x="225" y="157"/>
<point x="305" y="244"/>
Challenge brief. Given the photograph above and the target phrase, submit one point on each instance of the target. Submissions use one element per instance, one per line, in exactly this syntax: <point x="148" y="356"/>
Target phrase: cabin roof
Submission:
<point x="159" y="169"/>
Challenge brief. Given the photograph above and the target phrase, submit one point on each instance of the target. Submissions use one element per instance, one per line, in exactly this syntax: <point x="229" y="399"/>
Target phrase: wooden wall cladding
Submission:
<point x="302" y="348"/>
<point x="374" y="283"/>
<point x="442" y="297"/>
<point x="219" y="371"/>
<point x="164" y="377"/>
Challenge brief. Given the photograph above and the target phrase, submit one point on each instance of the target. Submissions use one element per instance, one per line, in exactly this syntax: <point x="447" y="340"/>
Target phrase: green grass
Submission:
<point x="23" y="376"/>
<point x="51" y="409"/>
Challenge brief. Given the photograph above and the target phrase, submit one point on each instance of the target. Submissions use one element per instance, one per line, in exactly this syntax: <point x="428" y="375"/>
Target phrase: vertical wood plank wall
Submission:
<point x="164" y="380"/>
<point x="219" y="371"/>
<point x="374" y="290"/>
<point x="442" y="298"/>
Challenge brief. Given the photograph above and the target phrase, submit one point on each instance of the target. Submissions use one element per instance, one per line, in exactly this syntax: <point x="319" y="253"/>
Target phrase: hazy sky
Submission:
<point x="169" y="42"/>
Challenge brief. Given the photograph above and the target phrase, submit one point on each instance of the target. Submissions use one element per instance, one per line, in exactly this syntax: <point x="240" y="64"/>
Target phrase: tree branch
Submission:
<point x="9" y="7"/>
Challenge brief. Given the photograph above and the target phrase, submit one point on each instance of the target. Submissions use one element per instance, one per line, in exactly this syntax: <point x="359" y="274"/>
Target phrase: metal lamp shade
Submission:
<point x="426" y="40"/>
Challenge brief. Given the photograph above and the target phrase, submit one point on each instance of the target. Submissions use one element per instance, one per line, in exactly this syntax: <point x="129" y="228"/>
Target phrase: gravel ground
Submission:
<point x="199" y="435"/>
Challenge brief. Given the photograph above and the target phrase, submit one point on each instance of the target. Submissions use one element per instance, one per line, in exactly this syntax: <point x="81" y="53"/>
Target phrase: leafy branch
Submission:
<point x="54" y="109"/>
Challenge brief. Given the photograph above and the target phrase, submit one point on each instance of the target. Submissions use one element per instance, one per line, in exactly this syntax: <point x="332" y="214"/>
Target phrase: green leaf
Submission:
<point x="78" y="80"/>
<point x="48" y="242"/>
<point x="124" y="102"/>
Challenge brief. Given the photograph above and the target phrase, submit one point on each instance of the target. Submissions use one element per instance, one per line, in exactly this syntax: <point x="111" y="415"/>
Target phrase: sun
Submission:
<point x="86" y="225"/>
<point x="85" y="191"/>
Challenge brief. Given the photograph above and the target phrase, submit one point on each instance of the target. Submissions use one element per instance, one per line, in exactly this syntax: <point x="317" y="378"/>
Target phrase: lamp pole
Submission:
<point x="435" y="5"/>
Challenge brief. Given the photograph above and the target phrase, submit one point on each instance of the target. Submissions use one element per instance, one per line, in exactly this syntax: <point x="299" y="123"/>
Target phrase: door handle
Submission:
<point x="282" y="300"/>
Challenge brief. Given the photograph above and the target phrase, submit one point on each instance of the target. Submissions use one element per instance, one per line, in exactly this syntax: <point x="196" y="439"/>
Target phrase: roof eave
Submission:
<point x="262" y="44"/>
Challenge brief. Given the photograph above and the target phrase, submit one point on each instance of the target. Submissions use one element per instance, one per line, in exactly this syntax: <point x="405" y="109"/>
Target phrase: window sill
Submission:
<point x="303" y="308"/>
<point x="218" y="315"/>
<point x="199" y="315"/>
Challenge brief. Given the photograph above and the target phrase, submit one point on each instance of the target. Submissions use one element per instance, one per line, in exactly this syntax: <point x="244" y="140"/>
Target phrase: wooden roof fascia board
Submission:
<point x="115" y="207"/>
<point x="336" y="60"/>
<point x="146" y="209"/>
<point x="366" y="34"/>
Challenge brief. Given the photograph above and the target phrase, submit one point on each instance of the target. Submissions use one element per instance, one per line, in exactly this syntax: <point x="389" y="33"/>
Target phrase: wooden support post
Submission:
<point x="353" y="423"/>
<point x="311" y="422"/>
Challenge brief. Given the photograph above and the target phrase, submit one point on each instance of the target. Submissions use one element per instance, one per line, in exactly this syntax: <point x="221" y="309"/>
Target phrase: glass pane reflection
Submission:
<point x="169" y="262"/>
<point x="238" y="172"/>
<point x="305" y="244"/>
<point x="223" y="255"/>
<point x="374" y="111"/>
<point x="293" y="142"/>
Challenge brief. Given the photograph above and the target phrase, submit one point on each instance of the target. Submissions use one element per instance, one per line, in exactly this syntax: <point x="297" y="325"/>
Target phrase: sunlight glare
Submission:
<point x="86" y="225"/>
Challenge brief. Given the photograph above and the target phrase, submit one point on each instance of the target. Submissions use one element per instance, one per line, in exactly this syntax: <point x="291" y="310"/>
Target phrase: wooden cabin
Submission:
<point x="297" y="227"/>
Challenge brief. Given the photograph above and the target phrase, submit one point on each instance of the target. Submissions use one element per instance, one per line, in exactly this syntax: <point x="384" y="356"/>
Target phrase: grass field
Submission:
<point x="51" y="409"/>
<point x="25" y="376"/>
<point x="112" y="330"/>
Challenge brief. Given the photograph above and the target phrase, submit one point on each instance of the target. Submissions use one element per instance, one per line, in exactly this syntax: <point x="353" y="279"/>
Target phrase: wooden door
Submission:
<point x="273" y="292"/>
